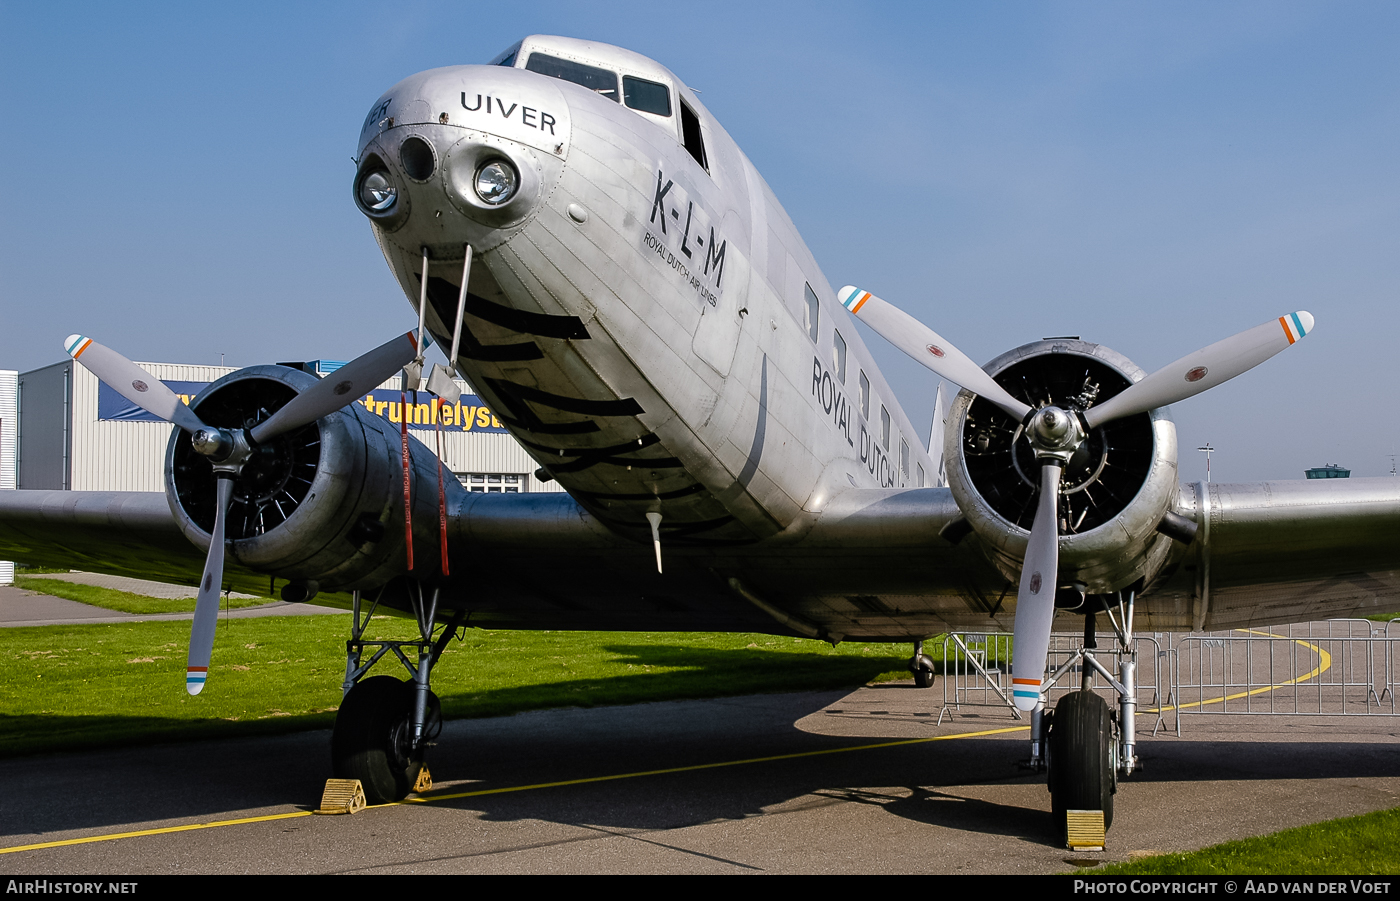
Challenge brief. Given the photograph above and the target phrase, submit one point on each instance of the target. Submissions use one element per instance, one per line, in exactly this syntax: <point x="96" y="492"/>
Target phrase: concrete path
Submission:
<point x="134" y="586"/>
<point x="19" y="607"/>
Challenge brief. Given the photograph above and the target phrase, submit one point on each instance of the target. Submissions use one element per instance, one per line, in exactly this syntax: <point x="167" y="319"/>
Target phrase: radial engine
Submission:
<point x="1117" y="490"/>
<point x="320" y="504"/>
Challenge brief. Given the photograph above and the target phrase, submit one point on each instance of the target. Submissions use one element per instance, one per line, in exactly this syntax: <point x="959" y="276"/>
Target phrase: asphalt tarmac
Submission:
<point x="836" y="782"/>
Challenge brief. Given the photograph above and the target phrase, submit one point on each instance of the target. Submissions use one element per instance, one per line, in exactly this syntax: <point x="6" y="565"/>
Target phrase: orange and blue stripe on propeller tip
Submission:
<point x="1296" y="325"/>
<point x="852" y="297"/>
<point x="74" y="345"/>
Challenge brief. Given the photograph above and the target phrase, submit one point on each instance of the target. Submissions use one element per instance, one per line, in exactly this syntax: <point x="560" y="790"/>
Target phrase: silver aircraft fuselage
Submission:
<point x="671" y="338"/>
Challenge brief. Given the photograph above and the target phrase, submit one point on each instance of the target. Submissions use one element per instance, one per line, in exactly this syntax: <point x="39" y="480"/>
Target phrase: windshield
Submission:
<point x="600" y="81"/>
<point x="647" y="96"/>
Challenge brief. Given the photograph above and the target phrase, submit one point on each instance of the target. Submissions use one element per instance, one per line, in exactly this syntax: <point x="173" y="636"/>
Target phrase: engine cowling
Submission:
<point x="1115" y="490"/>
<point x="323" y="503"/>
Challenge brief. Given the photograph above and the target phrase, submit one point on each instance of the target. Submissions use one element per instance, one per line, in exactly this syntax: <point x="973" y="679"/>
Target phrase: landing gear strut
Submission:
<point x="1088" y="747"/>
<point x="385" y="726"/>
<point x="921" y="666"/>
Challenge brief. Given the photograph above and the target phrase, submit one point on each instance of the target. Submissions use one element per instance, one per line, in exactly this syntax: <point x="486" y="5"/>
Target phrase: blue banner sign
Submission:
<point x="112" y="406"/>
<point x="470" y="414"/>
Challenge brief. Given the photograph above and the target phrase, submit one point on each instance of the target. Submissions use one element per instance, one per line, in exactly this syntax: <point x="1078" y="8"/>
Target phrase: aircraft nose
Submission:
<point x="467" y="158"/>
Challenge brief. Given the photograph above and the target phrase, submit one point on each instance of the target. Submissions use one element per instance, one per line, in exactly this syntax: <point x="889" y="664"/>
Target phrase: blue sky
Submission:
<point x="1152" y="177"/>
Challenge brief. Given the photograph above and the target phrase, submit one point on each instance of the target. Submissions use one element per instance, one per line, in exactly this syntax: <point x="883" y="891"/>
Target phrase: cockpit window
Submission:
<point x="507" y="56"/>
<point x="647" y="96"/>
<point x="600" y="81"/>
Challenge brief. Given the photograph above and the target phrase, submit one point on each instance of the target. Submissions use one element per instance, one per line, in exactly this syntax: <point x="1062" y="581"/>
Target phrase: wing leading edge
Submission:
<point x="874" y="564"/>
<point x="1277" y="552"/>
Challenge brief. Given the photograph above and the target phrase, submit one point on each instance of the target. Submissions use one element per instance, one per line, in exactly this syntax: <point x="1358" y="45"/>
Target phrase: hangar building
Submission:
<point x="76" y="433"/>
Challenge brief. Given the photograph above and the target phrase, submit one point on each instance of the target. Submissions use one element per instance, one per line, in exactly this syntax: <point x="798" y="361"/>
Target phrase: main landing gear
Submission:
<point x="921" y="666"/>
<point x="1083" y="744"/>
<point x="385" y="726"/>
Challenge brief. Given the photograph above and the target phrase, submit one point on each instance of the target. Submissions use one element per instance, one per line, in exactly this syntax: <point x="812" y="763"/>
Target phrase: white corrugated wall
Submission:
<point x="130" y="456"/>
<point x="123" y="456"/>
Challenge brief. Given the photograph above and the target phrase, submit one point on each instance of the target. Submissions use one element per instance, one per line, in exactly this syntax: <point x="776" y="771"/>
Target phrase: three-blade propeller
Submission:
<point x="1056" y="433"/>
<point x="229" y="449"/>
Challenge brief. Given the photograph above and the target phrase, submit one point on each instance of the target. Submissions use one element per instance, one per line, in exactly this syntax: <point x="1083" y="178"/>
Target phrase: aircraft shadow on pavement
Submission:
<point x="897" y="779"/>
<point x="668" y="672"/>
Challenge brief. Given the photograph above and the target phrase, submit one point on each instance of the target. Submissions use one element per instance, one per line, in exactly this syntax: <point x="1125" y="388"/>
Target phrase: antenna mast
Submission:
<point x="1208" y="450"/>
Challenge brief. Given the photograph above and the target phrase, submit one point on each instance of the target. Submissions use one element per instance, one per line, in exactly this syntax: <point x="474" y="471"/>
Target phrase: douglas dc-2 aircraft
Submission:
<point x="604" y="265"/>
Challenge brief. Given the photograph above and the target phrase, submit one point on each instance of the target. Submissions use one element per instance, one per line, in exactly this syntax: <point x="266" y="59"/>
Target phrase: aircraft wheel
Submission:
<point x="373" y="738"/>
<point x="1082" y="772"/>
<point x="923" y="678"/>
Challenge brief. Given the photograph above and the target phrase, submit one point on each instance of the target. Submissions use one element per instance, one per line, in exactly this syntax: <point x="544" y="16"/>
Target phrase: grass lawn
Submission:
<point x="1353" y="846"/>
<point x="123" y="601"/>
<point x="68" y="687"/>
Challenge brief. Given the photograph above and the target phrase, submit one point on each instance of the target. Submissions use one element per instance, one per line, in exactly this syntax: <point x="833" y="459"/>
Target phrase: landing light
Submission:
<point x="377" y="193"/>
<point x="496" y="182"/>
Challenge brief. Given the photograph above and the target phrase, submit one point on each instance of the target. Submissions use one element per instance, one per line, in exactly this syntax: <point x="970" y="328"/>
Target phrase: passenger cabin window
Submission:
<point x="600" y="81"/>
<point x="921" y="475"/>
<point x="864" y="396"/>
<point x="904" y="458"/>
<point x="690" y="137"/>
<point x="646" y="96"/>
<point x="884" y="427"/>
<point x="811" y="316"/>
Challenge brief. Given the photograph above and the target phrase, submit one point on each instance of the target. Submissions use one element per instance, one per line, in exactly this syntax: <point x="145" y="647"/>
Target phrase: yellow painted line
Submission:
<point x="165" y="830"/>
<point x="1324" y="664"/>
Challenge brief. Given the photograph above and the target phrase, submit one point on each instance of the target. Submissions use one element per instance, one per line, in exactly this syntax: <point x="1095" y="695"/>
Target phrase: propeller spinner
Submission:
<point x="1055" y="434"/>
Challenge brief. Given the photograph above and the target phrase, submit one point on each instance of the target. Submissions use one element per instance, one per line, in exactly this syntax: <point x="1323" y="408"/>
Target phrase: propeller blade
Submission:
<point x="1035" y="600"/>
<point x="927" y="347"/>
<point x="206" y="606"/>
<point x="346" y="384"/>
<point x="1204" y="369"/>
<point x="132" y="382"/>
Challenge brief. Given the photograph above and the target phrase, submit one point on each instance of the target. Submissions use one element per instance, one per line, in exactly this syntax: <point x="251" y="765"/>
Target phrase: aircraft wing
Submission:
<point x="1277" y="552"/>
<point x="879" y="564"/>
<point x="873" y="563"/>
<point x="127" y="533"/>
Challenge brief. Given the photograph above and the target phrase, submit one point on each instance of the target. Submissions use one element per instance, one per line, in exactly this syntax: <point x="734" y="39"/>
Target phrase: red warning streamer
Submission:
<point x="442" y="494"/>
<point x="407" y="505"/>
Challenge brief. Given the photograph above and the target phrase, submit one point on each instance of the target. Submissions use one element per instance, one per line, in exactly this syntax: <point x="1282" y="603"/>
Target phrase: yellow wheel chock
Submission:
<point x="343" y="796"/>
<point x="1084" y="830"/>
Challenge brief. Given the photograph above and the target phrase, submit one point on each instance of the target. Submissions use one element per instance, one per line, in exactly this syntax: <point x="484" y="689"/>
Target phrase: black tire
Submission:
<point x="1082" y="772"/>
<point x="923" y="678"/>
<point x="373" y="737"/>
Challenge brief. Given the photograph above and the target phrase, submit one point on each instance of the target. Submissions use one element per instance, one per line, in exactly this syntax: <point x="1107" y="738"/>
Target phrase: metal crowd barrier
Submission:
<point x="977" y="671"/>
<point x="1340" y="667"/>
